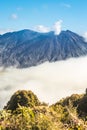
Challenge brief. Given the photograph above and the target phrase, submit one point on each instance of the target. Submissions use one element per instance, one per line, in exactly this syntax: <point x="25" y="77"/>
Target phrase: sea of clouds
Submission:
<point x="49" y="81"/>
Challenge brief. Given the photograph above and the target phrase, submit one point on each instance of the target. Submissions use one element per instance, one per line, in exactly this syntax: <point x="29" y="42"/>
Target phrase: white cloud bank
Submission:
<point x="49" y="81"/>
<point x="57" y="27"/>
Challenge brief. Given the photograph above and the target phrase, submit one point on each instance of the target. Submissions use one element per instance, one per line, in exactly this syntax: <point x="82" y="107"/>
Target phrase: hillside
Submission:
<point x="24" y="111"/>
<point x="27" y="48"/>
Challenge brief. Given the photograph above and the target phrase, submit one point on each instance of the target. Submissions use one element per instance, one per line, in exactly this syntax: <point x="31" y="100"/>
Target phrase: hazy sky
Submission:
<point x="42" y="14"/>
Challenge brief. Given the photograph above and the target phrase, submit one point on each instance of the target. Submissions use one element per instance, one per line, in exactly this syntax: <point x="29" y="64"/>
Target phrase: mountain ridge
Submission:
<point x="28" y="48"/>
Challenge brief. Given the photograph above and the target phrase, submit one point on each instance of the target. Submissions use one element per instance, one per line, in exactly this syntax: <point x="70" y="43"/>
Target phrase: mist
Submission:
<point x="49" y="81"/>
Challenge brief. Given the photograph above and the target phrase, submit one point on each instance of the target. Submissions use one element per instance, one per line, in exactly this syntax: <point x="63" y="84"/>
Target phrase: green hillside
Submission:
<point x="24" y="111"/>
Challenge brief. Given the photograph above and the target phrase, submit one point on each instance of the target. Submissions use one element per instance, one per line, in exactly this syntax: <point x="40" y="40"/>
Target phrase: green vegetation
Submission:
<point x="25" y="112"/>
<point x="22" y="98"/>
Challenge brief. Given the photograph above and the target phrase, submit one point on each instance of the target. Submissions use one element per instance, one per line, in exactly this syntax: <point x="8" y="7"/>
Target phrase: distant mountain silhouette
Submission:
<point x="28" y="48"/>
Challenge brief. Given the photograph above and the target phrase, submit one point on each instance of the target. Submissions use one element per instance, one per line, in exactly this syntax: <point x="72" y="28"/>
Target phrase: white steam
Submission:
<point x="49" y="81"/>
<point x="56" y="28"/>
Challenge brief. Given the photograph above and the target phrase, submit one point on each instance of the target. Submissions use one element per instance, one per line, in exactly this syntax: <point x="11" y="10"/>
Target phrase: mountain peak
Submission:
<point x="27" y="48"/>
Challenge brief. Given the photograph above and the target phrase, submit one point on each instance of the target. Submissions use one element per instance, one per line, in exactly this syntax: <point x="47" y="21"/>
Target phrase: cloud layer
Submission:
<point x="49" y="81"/>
